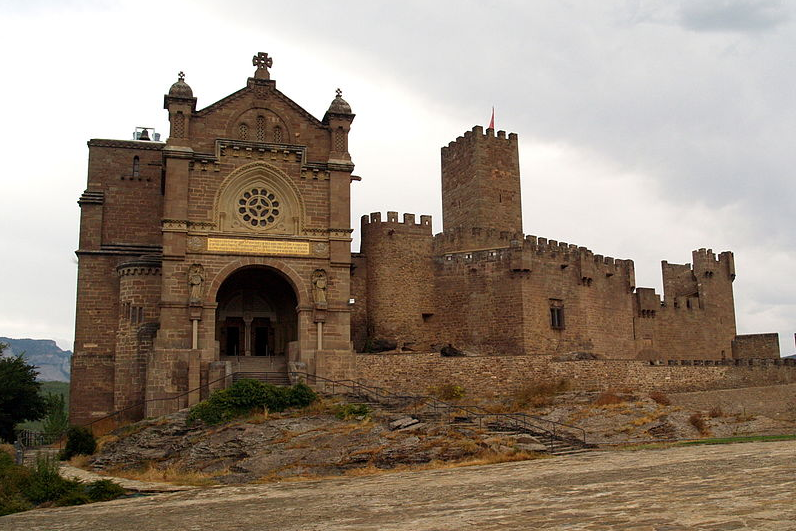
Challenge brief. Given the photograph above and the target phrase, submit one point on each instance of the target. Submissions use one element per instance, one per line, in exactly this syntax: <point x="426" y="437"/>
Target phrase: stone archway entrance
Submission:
<point x="256" y="319"/>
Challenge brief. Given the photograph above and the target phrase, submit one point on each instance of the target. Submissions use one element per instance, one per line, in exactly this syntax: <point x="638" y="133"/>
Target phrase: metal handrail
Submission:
<point x="554" y="430"/>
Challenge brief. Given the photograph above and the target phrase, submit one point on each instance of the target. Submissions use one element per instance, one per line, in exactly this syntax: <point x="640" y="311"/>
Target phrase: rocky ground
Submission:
<point x="706" y="488"/>
<point x="315" y="443"/>
<point x="637" y="417"/>
<point x="309" y="444"/>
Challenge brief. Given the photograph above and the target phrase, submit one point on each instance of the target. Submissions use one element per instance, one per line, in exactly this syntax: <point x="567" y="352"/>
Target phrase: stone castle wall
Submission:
<point x="504" y="375"/>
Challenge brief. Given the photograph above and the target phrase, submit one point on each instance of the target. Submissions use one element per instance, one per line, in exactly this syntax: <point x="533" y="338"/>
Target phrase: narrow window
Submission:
<point x="243" y="132"/>
<point x="136" y="166"/>
<point x="260" y="129"/>
<point x="277" y="135"/>
<point x="557" y="314"/>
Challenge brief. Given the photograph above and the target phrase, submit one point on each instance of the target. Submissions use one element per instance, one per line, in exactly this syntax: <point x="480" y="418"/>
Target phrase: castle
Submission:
<point x="228" y="247"/>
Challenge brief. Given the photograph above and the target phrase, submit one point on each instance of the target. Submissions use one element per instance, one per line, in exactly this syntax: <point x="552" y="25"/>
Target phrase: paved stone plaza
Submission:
<point x="741" y="486"/>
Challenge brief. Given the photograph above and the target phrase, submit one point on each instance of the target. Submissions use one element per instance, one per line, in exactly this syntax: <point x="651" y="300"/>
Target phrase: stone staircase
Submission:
<point x="268" y="369"/>
<point x="527" y="439"/>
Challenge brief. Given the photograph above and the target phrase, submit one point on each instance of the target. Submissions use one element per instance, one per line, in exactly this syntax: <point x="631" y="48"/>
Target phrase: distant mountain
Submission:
<point x="51" y="362"/>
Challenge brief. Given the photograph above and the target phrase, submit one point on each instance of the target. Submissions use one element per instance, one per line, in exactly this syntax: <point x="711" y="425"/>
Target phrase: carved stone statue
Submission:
<point x="319" y="283"/>
<point x="196" y="277"/>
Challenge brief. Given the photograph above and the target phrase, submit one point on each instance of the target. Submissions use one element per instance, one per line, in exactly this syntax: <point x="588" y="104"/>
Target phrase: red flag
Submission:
<point x="492" y="120"/>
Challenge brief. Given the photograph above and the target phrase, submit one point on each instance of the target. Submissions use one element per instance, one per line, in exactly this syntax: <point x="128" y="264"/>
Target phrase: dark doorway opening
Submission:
<point x="256" y="314"/>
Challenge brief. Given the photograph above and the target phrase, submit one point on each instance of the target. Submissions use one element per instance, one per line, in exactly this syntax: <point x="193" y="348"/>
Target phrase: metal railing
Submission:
<point x="550" y="430"/>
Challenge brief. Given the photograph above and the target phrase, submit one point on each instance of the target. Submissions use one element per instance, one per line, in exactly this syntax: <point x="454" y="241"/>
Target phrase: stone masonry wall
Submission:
<point x="756" y="346"/>
<point x="504" y="375"/>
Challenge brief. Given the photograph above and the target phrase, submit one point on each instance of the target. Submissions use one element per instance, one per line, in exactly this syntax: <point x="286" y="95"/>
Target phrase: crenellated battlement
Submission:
<point x="477" y="135"/>
<point x="462" y="239"/>
<point x="405" y="226"/>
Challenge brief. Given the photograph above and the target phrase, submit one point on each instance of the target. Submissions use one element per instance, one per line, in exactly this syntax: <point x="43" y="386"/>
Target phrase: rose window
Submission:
<point x="258" y="207"/>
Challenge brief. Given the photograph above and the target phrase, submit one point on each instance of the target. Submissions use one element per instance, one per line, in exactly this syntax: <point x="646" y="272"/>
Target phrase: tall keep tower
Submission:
<point x="481" y="182"/>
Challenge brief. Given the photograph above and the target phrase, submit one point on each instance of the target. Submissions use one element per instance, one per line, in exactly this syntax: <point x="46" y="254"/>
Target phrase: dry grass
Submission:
<point x="105" y="440"/>
<point x="660" y="398"/>
<point x="370" y="452"/>
<point x="607" y="398"/>
<point x="716" y="412"/>
<point x="9" y="449"/>
<point x="698" y="421"/>
<point x="539" y="394"/>
<point x="483" y="458"/>
<point x="170" y="474"/>
<point x="80" y="461"/>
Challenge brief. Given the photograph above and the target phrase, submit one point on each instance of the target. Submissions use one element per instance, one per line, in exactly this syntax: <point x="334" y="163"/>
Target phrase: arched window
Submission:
<point x="277" y="135"/>
<point x="243" y="132"/>
<point x="136" y="167"/>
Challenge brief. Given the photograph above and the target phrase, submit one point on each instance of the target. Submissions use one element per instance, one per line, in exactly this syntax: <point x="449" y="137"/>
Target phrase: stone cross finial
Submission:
<point x="263" y="63"/>
<point x="339" y="93"/>
<point x="181" y="76"/>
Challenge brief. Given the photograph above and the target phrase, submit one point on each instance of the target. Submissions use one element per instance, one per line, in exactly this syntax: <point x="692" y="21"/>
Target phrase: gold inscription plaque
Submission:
<point x="278" y="247"/>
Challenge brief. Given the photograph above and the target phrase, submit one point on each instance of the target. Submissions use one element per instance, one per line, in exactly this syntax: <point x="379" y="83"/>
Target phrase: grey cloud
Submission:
<point x="733" y="15"/>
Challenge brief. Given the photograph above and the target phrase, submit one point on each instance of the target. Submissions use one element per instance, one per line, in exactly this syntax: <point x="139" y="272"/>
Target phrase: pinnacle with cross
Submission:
<point x="181" y="76"/>
<point x="339" y="93"/>
<point x="263" y="63"/>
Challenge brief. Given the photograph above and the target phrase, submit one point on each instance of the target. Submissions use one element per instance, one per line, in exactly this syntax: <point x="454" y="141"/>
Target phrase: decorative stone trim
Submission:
<point x="127" y="144"/>
<point x="174" y="224"/>
<point x="91" y="197"/>
<point x="145" y="265"/>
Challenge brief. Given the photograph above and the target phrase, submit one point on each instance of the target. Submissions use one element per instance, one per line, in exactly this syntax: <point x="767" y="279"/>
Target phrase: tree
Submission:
<point x="19" y="394"/>
<point x="57" y="420"/>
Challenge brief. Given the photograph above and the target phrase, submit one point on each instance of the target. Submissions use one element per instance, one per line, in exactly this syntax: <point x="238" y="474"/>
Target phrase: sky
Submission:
<point x="647" y="129"/>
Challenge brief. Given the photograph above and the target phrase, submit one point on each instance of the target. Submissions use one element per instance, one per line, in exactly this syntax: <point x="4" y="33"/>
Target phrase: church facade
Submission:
<point x="228" y="248"/>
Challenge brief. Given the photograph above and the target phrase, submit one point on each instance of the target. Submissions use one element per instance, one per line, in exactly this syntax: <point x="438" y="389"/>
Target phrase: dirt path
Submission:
<point x="742" y="486"/>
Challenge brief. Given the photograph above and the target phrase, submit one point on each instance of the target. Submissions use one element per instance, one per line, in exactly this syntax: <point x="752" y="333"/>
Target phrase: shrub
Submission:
<point x="448" y="392"/>
<point x="607" y="398"/>
<point x="57" y="420"/>
<point x="79" y="441"/>
<point x="45" y="483"/>
<point x="347" y="411"/>
<point x="103" y="490"/>
<point x="22" y="488"/>
<point x="660" y="398"/>
<point x="246" y="395"/>
<point x="716" y="412"/>
<point x="698" y="421"/>
<point x="539" y="394"/>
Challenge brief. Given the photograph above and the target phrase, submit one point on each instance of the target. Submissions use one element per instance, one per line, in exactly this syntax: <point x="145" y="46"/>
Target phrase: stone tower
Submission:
<point x="481" y="182"/>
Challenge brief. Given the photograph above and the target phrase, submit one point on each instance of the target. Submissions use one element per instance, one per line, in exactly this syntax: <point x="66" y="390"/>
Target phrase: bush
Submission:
<point x="660" y="398"/>
<point x="79" y="441"/>
<point x="22" y="488"/>
<point x="697" y="421"/>
<point x="716" y="412"/>
<point x="73" y="497"/>
<point x="347" y="411"/>
<point x="246" y="395"/>
<point x="103" y="490"/>
<point x="45" y="483"/>
<point x="448" y="392"/>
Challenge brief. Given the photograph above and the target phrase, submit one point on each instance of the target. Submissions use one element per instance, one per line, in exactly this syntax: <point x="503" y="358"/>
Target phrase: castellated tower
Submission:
<point x="399" y="283"/>
<point x="481" y="182"/>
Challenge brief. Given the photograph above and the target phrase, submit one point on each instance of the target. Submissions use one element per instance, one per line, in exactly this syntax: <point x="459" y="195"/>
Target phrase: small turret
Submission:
<point x="181" y="104"/>
<point x="338" y="118"/>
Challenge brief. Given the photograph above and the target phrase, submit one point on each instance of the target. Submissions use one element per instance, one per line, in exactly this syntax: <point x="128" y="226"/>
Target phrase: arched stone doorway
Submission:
<point x="256" y="318"/>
